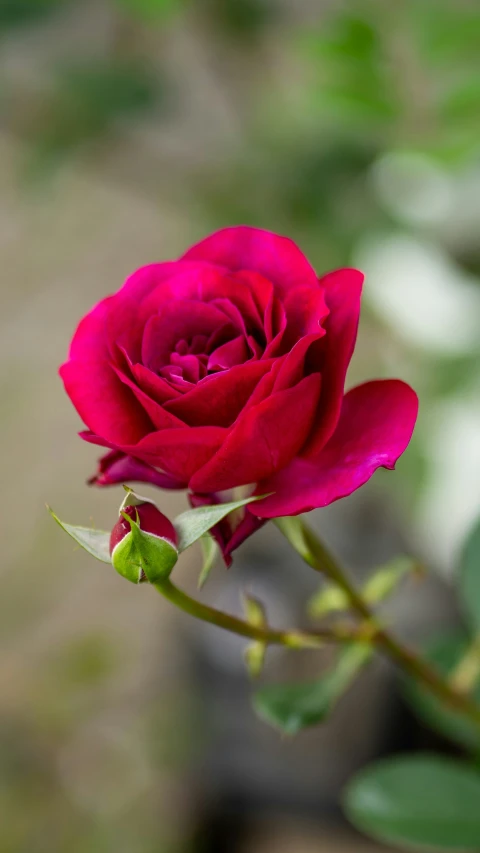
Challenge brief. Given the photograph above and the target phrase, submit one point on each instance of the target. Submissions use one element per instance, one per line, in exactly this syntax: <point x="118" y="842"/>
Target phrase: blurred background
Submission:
<point x="129" y="129"/>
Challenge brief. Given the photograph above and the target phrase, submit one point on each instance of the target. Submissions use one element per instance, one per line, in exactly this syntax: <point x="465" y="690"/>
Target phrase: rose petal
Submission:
<point x="115" y="467"/>
<point x="331" y="356"/>
<point x="264" y="439"/>
<point x="104" y="403"/>
<point x="218" y="399"/>
<point x="305" y="309"/>
<point x="179" y="452"/>
<point x="159" y="416"/>
<point x="244" y="248"/>
<point x="155" y="386"/>
<point x="203" y="283"/>
<point x="375" y="427"/>
<point x="179" y="320"/>
<point x="230" y="354"/>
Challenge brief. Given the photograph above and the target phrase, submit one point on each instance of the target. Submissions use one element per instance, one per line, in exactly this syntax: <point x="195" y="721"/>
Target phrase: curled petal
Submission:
<point x="375" y="427"/>
<point x="115" y="467"/>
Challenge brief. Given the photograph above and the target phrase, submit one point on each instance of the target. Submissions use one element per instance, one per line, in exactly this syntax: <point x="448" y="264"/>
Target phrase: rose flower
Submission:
<point x="226" y="368"/>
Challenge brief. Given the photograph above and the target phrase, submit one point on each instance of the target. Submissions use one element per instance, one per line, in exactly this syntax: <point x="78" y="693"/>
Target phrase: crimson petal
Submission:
<point x="264" y="439"/>
<point x="104" y="403"/>
<point x="375" y="427"/>
<point x="245" y="248"/>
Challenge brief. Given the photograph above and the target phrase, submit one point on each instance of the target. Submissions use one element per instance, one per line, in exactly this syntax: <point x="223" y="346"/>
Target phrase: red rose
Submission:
<point x="227" y="368"/>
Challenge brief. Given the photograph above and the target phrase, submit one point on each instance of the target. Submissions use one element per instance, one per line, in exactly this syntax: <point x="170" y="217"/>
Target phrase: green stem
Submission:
<point x="317" y="555"/>
<point x="292" y="639"/>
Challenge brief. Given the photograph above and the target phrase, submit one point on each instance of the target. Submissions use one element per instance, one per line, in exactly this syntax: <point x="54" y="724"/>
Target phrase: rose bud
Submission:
<point x="143" y="543"/>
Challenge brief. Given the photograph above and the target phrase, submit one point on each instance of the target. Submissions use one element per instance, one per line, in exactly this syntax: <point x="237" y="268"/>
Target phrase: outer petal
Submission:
<point x="375" y="426"/>
<point x="104" y="403"/>
<point x="264" y="439"/>
<point x="115" y="467"/>
<point x="332" y="355"/>
<point x="244" y="248"/>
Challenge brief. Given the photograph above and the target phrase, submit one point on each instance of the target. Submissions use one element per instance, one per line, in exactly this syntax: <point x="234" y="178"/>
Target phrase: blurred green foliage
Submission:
<point x="89" y="100"/>
<point x="17" y="12"/>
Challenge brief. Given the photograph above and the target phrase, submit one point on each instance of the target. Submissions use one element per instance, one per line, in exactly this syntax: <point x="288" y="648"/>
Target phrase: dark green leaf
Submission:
<point x="292" y="707"/>
<point x="422" y="802"/>
<point x="96" y="542"/>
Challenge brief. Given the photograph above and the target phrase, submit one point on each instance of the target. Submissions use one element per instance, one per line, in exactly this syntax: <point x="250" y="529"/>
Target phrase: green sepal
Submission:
<point x="210" y="553"/>
<point x="194" y="523"/>
<point x="143" y="556"/>
<point x="95" y="542"/>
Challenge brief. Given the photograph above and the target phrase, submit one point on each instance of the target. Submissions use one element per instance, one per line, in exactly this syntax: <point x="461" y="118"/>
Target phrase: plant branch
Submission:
<point x="319" y="557"/>
<point x="293" y="639"/>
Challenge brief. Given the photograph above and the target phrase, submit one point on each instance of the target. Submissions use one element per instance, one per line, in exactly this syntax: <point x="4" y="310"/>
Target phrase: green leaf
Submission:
<point x="96" y="542"/>
<point x="422" y="802"/>
<point x="210" y="552"/>
<point x="194" y="523"/>
<point x="293" y="707"/>
<point x="379" y="586"/>
<point x="445" y="653"/>
<point x="385" y="580"/>
<point x="330" y="599"/>
<point x="469" y="578"/>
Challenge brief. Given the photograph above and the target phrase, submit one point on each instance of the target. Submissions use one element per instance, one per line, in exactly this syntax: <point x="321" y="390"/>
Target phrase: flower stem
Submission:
<point x="319" y="557"/>
<point x="291" y="638"/>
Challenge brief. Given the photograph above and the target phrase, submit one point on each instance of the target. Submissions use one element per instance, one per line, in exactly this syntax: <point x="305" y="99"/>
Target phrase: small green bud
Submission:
<point x="143" y="544"/>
